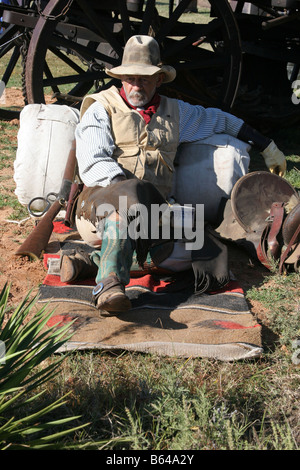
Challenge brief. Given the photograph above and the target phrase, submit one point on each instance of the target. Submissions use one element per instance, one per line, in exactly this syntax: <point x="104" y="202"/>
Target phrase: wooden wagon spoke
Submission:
<point x="100" y="26"/>
<point x="167" y="27"/>
<point x="63" y="80"/>
<point x="148" y="17"/>
<point x="66" y="59"/>
<point x="11" y="40"/>
<point x="86" y="52"/>
<point x="49" y="76"/>
<point x="196" y="37"/>
<point x="125" y="20"/>
<point x="8" y="35"/>
<point x="212" y="63"/>
<point x="11" y="64"/>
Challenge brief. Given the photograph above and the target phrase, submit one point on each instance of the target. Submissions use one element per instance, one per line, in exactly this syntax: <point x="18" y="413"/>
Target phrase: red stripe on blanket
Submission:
<point x="147" y="281"/>
<point x="230" y="325"/>
<point x="54" y="280"/>
<point x="233" y="287"/>
<point x="59" y="320"/>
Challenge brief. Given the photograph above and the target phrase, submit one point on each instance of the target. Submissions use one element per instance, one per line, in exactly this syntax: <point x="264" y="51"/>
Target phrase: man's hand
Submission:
<point x="274" y="159"/>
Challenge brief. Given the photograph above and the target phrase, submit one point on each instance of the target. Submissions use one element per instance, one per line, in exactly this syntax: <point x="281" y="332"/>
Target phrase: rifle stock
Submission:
<point x="36" y="243"/>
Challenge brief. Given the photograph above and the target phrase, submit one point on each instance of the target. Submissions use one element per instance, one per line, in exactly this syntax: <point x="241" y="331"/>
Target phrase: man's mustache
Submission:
<point x="137" y="94"/>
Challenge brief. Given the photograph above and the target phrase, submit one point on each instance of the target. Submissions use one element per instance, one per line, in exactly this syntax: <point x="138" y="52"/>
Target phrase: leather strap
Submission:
<point x="262" y="248"/>
<point x="276" y="218"/>
<point x="288" y="249"/>
<point x="104" y="285"/>
<point x="269" y="244"/>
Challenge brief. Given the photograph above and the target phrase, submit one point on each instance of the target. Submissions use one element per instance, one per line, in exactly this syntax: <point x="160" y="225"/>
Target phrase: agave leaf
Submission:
<point x="50" y="425"/>
<point x="8" y="357"/>
<point x="28" y="343"/>
<point x="23" y="335"/>
<point x="36" y="346"/>
<point x="17" y="317"/>
<point x="38" y="414"/>
<point x="7" y="404"/>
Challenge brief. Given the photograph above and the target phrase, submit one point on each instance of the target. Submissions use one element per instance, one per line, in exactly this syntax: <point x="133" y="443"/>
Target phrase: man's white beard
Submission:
<point x="137" y="98"/>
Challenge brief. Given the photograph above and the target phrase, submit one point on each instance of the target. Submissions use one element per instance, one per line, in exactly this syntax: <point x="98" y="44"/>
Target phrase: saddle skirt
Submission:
<point x="263" y="215"/>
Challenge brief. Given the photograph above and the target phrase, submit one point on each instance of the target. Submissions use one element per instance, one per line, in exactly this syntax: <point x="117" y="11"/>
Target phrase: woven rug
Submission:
<point x="166" y="318"/>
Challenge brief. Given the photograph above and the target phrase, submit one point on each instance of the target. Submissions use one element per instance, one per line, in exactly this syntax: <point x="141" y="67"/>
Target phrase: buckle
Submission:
<point x="98" y="288"/>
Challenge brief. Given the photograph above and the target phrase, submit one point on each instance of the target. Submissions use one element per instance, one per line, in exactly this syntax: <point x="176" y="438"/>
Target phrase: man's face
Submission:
<point x="139" y="89"/>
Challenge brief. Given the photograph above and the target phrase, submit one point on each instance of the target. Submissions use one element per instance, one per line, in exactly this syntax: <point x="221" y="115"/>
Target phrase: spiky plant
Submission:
<point x="25" y="344"/>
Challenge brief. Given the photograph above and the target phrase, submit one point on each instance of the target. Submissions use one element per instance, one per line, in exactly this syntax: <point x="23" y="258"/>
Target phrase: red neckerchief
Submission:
<point x="148" y="110"/>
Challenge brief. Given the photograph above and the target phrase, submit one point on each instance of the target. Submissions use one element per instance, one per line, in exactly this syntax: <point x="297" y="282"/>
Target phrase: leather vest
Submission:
<point x="145" y="150"/>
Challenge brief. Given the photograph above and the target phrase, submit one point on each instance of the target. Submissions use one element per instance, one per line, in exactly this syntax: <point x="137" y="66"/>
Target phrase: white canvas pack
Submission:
<point x="45" y="139"/>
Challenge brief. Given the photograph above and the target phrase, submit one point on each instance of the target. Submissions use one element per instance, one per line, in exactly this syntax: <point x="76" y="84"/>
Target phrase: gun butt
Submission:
<point x="36" y="243"/>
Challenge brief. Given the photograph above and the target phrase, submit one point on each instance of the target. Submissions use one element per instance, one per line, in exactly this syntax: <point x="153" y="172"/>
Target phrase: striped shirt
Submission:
<point x="95" y="144"/>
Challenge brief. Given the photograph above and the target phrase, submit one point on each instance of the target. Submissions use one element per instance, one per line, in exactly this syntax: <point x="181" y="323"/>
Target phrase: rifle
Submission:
<point x="36" y="243"/>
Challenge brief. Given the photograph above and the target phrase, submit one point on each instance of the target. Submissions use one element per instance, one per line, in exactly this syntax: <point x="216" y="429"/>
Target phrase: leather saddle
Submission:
<point x="263" y="216"/>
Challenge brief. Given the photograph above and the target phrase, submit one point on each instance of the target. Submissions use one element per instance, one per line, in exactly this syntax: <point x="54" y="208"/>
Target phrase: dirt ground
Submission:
<point x="11" y="97"/>
<point x="22" y="274"/>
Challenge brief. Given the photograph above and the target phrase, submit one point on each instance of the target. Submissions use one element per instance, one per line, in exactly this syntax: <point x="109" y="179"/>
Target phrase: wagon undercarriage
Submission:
<point x="242" y="57"/>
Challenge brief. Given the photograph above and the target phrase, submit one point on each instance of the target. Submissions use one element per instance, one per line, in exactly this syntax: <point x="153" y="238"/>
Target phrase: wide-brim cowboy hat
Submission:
<point x="141" y="56"/>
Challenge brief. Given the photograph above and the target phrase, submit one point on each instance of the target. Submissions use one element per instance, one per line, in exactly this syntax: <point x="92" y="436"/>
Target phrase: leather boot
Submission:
<point x="109" y="295"/>
<point x="76" y="264"/>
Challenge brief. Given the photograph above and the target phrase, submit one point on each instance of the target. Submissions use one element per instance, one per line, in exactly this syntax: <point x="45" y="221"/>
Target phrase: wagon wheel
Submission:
<point x="81" y="40"/>
<point x="206" y="56"/>
<point x="11" y="54"/>
<point x="14" y="41"/>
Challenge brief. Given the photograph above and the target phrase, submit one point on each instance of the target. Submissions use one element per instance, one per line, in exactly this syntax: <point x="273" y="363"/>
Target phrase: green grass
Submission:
<point x="172" y="403"/>
<point x="196" y="404"/>
<point x="18" y="211"/>
<point x="8" y="148"/>
<point x="281" y="297"/>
